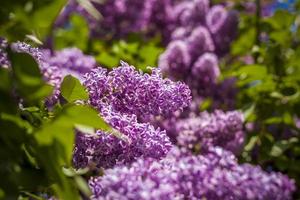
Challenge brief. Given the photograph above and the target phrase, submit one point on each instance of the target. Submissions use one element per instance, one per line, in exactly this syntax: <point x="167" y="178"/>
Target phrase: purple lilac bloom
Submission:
<point x="200" y="41"/>
<point x="224" y="129"/>
<point x="175" y="59"/>
<point x="26" y="48"/>
<point x="213" y="176"/>
<point x="70" y="61"/>
<point x="106" y="150"/>
<point x="191" y="13"/>
<point x="222" y="24"/>
<point x="129" y="91"/>
<point x="205" y="70"/>
<point x="119" y="17"/>
<point x="163" y="19"/>
<point x="121" y="96"/>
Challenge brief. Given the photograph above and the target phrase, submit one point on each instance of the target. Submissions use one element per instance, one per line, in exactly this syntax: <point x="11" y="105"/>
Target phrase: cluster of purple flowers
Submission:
<point x="129" y="91"/>
<point x="123" y="96"/>
<point x="119" y="17"/>
<point x="209" y="130"/>
<point x="215" y="175"/>
<point x="202" y="35"/>
<point x="192" y="54"/>
<point x="122" y="17"/>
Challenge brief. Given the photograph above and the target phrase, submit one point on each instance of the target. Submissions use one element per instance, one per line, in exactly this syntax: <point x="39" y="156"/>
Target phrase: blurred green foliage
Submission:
<point x="22" y="17"/>
<point x="136" y="52"/>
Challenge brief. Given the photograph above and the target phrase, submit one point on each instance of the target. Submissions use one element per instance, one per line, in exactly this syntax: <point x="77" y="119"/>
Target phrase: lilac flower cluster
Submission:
<point x="213" y="176"/>
<point x="119" y="17"/>
<point x="129" y="91"/>
<point x="122" y="96"/>
<point x="208" y="130"/>
<point x="192" y="54"/>
<point x="106" y="150"/>
<point x="70" y="61"/>
<point x="122" y="17"/>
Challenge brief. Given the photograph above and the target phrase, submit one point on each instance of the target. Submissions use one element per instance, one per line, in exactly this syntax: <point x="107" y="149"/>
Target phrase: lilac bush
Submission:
<point x="160" y="145"/>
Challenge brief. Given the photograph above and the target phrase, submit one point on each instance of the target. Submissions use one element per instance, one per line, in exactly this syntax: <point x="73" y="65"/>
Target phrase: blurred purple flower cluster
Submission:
<point x="209" y="130"/>
<point x="215" y="175"/>
<point x="195" y="46"/>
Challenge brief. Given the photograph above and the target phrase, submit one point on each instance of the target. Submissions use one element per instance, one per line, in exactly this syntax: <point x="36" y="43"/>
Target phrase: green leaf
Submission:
<point x="29" y="18"/>
<point x="149" y="54"/>
<point x="249" y="111"/>
<point x="62" y="127"/>
<point x="27" y="77"/>
<point x="245" y="42"/>
<point x="89" y="7"/>
<point x="253" y="140"/>
<point x="255" y="72"/>
<point x="281" y="146"/>
<point x="282" y="19"/>
<point x="206" y="104"/>
<point x="107" y="59"/>
<point x="72" y="90"/>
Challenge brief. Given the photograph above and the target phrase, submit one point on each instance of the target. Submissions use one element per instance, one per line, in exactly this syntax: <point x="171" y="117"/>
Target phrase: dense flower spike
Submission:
<point x="208" y="130"/>
<point x="70" y="61"/>
<point x="129" y="91"/>
<point x="200" y="39"/>
<point x="121" y="96"/>
<point x="26" y="48"/>
<point x="205" y="70"/>
<point x="214" y="176"/>
<point x="222" y="25"/>
<point x="191" y="13"/>
<point x="175" y="59"/>
<point x="106" y="150"/>
<point x="118" y="17"/>
<point x="200" y="42"/>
